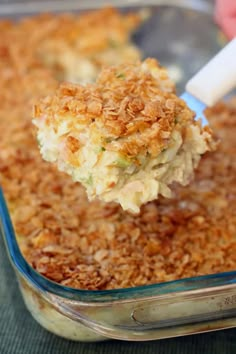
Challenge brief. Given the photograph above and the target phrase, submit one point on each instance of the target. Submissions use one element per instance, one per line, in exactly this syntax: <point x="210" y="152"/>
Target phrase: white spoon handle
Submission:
<point x="216" y="78"/>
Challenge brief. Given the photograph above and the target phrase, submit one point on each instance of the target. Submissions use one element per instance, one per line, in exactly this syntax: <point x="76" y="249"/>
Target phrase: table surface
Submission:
<point x="21" y="334"/>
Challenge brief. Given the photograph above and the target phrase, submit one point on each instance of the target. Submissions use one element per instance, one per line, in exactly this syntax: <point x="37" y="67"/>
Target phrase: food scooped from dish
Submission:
<point x="126" y="138"/>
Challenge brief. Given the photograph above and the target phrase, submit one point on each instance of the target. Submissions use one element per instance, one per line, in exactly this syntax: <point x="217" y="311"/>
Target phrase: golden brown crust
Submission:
<point x="136" y="110"/>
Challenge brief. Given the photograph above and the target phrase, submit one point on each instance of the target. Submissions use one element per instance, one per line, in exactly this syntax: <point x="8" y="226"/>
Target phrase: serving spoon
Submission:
<point x="212" y="82"/>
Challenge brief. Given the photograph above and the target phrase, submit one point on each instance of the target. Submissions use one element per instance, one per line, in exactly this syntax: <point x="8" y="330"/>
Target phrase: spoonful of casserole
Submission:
<point x="126" y="138"/>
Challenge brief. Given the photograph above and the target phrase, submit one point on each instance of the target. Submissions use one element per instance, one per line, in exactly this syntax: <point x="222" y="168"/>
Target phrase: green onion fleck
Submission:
<point x="108" y="140"/>
<point x="120" y="76"/>
<point x="89" y="181"/>
<point x="39" y="142"/>
<point x="112" y="43"/>
<point x="122" y="162"/>
<point x="99" y="149"/>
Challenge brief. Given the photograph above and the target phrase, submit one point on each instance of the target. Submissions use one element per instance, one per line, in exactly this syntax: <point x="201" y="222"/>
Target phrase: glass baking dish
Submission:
<point x="156" y="311"/>
<point x="151" y="312"/>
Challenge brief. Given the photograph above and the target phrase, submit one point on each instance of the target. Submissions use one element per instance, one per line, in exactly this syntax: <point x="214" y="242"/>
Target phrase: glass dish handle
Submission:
<point x="157" y="318"/>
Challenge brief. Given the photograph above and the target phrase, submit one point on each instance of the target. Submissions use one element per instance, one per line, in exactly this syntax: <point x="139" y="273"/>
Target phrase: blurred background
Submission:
<point x="181" y="34"/>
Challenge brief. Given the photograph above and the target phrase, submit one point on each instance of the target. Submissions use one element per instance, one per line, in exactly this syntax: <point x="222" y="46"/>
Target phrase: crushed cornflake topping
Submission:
<point x="96" y="245"/>
<point x="126" y="100"/>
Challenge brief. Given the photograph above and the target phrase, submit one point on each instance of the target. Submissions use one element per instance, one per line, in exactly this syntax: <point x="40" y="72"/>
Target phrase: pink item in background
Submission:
<point x="225" y="16"/>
